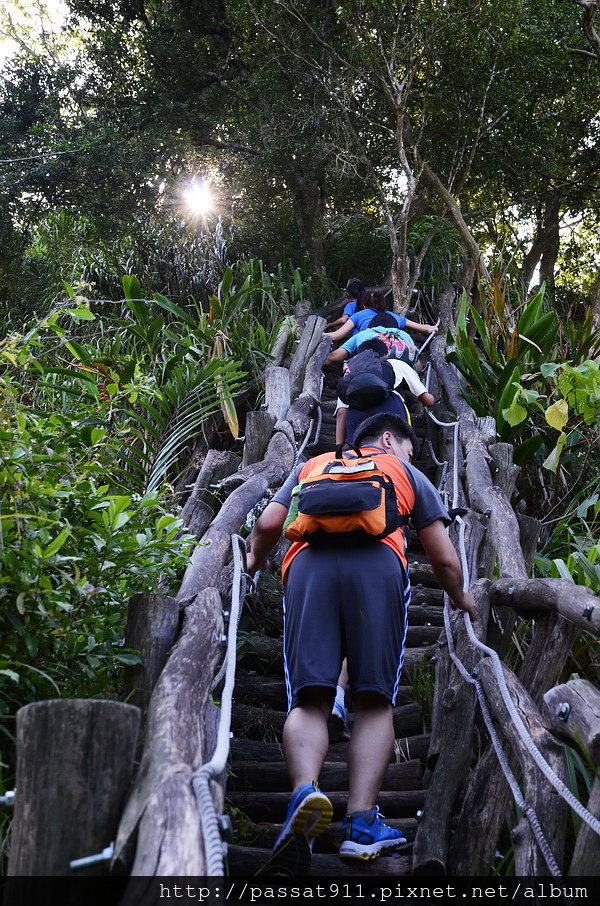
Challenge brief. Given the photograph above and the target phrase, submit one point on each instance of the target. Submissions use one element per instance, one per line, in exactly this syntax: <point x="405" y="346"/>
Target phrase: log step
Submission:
<point x="242" y="750"/>
<point x="271" y="691"/>
<point x="271" y="806"/>
<point x="268" y="653"/>
<point x="264" y="835"/>
<point x="249" y="862"/>
<point x="334" y="776"/>
<point x="264" y="723"/>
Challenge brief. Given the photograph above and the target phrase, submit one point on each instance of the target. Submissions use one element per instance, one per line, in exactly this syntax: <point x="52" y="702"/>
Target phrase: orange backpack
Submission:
<point x="348" y="501"/>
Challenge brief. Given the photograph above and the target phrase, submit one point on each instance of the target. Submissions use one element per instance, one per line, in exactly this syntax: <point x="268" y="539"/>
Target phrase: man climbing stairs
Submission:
<point x="258" y="788"/>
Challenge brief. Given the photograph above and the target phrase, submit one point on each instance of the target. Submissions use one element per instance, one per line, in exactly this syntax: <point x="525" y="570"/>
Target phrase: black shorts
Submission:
<point x="346" y="602"/>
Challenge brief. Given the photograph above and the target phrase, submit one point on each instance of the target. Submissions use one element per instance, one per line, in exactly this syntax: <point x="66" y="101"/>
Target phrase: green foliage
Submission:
<point x="357" y="246"/>
<point x="168" y="255"/>
<point x="98" y="405"/>
<point x="573" y="551"/>
<point x="71" y="553"/>
<point x="533" y="377"/>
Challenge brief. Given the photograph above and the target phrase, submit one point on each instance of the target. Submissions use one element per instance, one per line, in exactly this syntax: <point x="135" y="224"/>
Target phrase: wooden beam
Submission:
<point x="451" y="743"/>
<point x="277" y="392"/>
<point x="310" y="339"/>
<point x="579" y="721"/>
<point x="273" y="469"/>
<point x="550" y="808"/>
<point x="153" y="624"/>
<point x="576" y="603"/>
<point x="210" y="555"/>
<point x="162" y="809"/>
<point x="572" y="710"/>
<point x="259" y="426"/>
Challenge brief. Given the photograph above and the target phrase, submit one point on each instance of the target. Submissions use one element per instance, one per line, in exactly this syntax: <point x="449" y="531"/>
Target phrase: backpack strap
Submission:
<point x="339" y="450"/>
<point x="404" y="518"/>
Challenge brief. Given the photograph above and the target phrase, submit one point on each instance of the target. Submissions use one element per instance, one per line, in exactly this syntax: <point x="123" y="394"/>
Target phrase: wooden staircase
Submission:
<point x="258" y="786"/>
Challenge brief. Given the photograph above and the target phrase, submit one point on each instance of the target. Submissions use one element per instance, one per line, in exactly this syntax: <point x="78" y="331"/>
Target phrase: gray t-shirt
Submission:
<point x="428" y="503"/>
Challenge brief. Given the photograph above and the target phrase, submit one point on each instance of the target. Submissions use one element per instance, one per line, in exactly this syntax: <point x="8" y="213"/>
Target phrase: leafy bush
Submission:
<point x="532" y="375"/>
<point x="97" y="407"/>
<point x="71" y="554"/>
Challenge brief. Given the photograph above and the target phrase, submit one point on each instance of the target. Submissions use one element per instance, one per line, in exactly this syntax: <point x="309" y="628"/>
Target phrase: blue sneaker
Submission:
<point x="309" y="812"/>
<point x="337" y="723"/>
<point x="368" y="840"/>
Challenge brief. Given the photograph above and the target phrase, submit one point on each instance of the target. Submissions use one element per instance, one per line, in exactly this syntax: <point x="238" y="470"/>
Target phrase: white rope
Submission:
<point x="497" y="666"/>
<point x="500" y="754"/>
<point x="214" y="847"/>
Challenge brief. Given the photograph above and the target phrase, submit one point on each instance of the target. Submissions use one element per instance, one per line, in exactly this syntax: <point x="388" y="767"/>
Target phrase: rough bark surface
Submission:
<point x="162" y="808"/>
<point x="153" y="624"/>
<point x="576" y="603"/>
<point x="210" y="555"/>
<point x="538" y="793"/>
<point x="451" y="745"/>
<point x="74" y="758"/>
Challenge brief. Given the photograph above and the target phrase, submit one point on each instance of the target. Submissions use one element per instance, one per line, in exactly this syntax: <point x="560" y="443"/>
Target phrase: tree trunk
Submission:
<point x="544" y="247"/>
<point x="456" y="214"/>
<point x="309" y="195"/>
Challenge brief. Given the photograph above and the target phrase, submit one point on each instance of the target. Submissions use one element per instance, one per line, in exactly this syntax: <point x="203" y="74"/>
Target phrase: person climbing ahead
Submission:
<point x="350" y="601"/>
<point x="348" y="416"/>
<point x="373" y="305"/>
<point x="354" y="292"/>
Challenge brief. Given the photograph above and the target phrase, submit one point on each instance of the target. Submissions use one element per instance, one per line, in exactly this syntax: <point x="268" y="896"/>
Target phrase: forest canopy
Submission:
<point x="342" y="136"/>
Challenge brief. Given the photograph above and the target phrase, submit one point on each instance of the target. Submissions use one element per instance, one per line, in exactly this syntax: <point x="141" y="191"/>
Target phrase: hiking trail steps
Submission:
<point x="258" y="786"/>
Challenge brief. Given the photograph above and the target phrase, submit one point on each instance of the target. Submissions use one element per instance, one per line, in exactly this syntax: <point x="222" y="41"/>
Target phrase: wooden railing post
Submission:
<point x="74" y="764"/>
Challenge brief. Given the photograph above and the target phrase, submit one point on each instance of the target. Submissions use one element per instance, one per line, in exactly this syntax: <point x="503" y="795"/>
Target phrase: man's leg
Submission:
<point x="365" y="834"/>
<point x="305" y="735"/>
<point x="305" y="741"/>
<point x="369" y="749"/>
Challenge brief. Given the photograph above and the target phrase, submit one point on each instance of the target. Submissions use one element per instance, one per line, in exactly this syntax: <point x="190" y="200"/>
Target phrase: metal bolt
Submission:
<point x="420" y="814"/>
<point x="475" y="672"/>
<point x="433" y="660"/>
<point x="563" y="710"/>
<point x="511" y="590"/>
<point x="222" y="638"/>
<point x="225" y="614"/>
<point x="8" y="799"/>
<point x="487" y="512"/>
<point x="225" y="827"/>
<point x="588" y="610"/>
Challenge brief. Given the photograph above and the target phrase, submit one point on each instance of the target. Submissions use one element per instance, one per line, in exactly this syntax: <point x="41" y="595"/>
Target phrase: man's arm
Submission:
<point x="340" y="424"/>
<point x="446" y="565"/>
<point x="338" y="355"/>
<point x="342" y="332"/>
<point x="338" y="322"/>
<point x="265" y="535"/>
<point x="421" y="328"/>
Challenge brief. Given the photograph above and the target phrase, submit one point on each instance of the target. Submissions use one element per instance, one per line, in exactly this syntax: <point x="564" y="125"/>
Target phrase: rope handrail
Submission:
<point x="214" y="846"/>
<point x="537" y="756"/>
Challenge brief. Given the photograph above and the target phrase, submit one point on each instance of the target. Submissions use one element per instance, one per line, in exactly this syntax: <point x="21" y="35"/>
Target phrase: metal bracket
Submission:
<point x="105" y="856"/>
